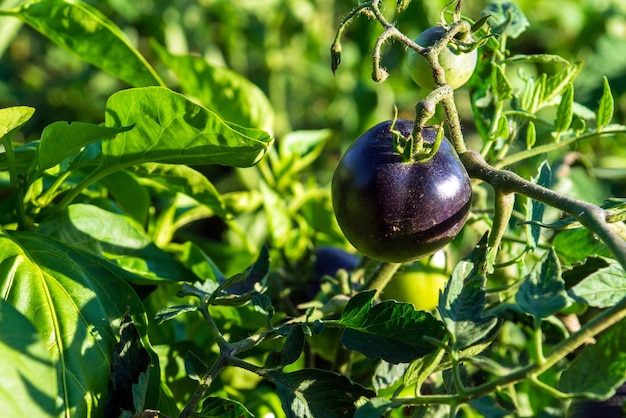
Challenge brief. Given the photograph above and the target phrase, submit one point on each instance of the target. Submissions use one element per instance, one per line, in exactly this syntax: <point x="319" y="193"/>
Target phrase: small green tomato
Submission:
<point x="457" y="65"/>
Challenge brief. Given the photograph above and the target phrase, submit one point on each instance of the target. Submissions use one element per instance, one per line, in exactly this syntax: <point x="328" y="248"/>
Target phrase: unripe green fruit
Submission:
<point x="457" y="65"/>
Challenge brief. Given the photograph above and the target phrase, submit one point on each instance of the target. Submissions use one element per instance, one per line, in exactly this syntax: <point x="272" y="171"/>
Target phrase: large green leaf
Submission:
<point x="28" y="386"/>
<point x="389" y="330"/>
<point x="81" y="29"/>
<point x="233" y="97"/>
<point x="169" y="128"/>
<point x="72" y="299"/>
<point x="117" y="237"/>
<point x="61" y="140"/>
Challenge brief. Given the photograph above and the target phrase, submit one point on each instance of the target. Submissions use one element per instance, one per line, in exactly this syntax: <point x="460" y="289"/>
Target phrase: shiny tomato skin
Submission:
<point x="398" y="211"/>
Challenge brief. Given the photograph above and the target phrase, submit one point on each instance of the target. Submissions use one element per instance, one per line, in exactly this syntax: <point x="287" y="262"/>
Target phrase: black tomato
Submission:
<point x="398" y="211"/>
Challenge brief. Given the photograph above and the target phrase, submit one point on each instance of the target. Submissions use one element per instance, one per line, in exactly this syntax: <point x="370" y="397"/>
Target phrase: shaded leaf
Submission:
<point x="81" y="29"/>
<point x="116" y="237"/>
<point x="389" y="330"/>
<point x="375" y="408"/>
<point x="222" y="408"/>
<point x="28" y="387"/>
<point x="291" y="351"/>
<point x="186" y="180"/>
<point x="600" y="368"/>
<point x="169" y="128"/>
<point x="195" y="367"/>
<point x="535" y="209"/>
<point x="227" y="93"/>
<point x="500" y="84"/>
<point x="462" y="302"/>
<point x="312" y="393"/>
<point x="130" y="361"/>
<point x="506" y="18"/>
<point x="543" y="292"/>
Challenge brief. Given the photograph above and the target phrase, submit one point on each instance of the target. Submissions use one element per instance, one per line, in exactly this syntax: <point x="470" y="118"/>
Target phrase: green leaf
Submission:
<point x="186" y="180"/>
<point x="389" y="330"/>
<point x="13" y="118"/>
<point x="556" y="83"/>
<point x="61" y="140"/>
<point x="129" y="194"/>
<point x="116" y="237"/>
<point x="535" y="209"/>
<point x="462" y="302"/>
<point x="291" y="351"/>
<point x="574" y="246"/>
<point x="195" y="367"/>
<point x="230" y="95"/>
<point x="24" y="155"/>
<point x="131" y="361"/>
<point x="312" y="393"/>
<point x="81" y="29"/>
<point x="606" y="106"/>
<point x="214" y="407"/>
<point x="298" y="150"/>
<point x="600" y="368"/>
<point x="375" y="408"/>
<point x="500" y="84"/>
<point x="72" y="299"/>
<point x="172" y="312"/>
<point x="564" y="112"/>
<point x="169" y="128"/>
<point x="603" y="288"/>
<point x="506" y="19"/>
<point x="543" y="292"/>
<point x="531" y="135"/>
<point x="28" y="387"/>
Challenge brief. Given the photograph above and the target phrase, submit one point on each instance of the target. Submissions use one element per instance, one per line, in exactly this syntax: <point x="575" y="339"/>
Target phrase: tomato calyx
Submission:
<point x="413" y="147"/>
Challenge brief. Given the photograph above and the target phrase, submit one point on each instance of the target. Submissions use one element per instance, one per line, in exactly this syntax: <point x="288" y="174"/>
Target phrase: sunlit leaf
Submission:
<point x="225" y="92"/>
<point x="535" y="209"/>
<point x="602" y="288"/>
<point x="606" y="106"/>
<point x="26" y="367"/>
<point x="72" y="298"/>
<point x="61" y="140"/>
<point x="83" y="30"/>
<point x="169" y="128"/>
<point x="564" y="111"/>
<point x="389" y="330"/>
<point x="13" y="118"/>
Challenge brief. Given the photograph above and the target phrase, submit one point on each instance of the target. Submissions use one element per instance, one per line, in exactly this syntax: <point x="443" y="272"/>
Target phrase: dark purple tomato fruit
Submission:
<point x="398" y="211"/>
<point x="329" y="260"/>
<point x="614" y="407"/>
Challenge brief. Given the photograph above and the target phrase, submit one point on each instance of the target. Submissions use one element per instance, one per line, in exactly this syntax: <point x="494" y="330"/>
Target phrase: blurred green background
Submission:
<point x="283" y="47"/>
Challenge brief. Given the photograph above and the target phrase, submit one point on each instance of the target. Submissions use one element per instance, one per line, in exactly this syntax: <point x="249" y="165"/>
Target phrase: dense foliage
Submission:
<point x="168" y="245"/>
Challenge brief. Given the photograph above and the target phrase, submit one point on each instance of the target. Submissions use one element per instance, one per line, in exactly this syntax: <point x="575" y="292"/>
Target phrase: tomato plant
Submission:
<point x="168" y="239"/>
<point x="395" y="210"/>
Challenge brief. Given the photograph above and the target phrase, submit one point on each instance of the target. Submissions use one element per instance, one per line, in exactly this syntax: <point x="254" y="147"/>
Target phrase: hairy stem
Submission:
<point x="589" y="215"/>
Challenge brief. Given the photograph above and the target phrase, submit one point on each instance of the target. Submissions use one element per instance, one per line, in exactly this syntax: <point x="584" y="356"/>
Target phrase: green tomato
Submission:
<point x="421" y="288"/>
<point x="457" y="65"/>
